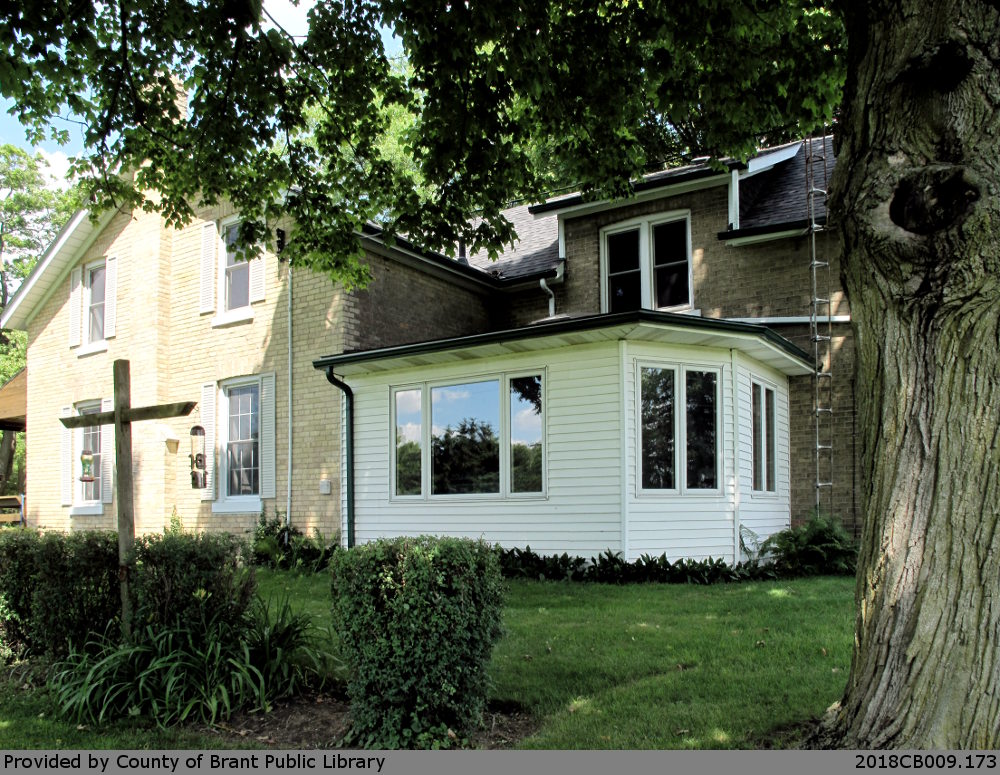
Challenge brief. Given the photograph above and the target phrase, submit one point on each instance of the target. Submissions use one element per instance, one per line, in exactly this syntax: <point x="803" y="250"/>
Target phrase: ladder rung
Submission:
<point x="820" y="264"/>
<point x="824" y="484"/>
<point x="825" y="374"/>
<point x="823" y="410"/>
<point x="820" y="338"/>
<point x="820" y="300"/>
<point x="824" y="447"/>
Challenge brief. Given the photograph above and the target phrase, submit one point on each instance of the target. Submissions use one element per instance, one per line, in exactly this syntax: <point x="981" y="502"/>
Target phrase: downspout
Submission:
<point x="557" y="280"/>
<point x="288" y="479"/>
<point x="348" y="451"/>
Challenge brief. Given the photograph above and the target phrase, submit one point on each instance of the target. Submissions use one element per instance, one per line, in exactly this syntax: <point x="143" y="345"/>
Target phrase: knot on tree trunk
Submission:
<point x="933" y="199"/>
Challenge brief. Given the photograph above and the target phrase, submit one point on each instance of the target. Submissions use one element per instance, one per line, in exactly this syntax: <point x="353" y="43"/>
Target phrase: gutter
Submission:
<point x="348" y="452"/>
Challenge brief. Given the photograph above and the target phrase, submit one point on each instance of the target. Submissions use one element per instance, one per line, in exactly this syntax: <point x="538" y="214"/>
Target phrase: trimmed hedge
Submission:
<point x="417" y="620"/>
<point x="181" y="577"/>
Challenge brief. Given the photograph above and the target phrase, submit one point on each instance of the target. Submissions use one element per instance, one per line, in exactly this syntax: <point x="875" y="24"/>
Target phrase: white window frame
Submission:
<point x="765" y="435"/>
<point x="680" y="370"/>
<point x="504" y="434"/>
<point x="82" y="507"/>
<point x="645" y="226"/>
<point x="89" y="345"/>
<point x="237" y="504"/>
<point x="225" y="316"/>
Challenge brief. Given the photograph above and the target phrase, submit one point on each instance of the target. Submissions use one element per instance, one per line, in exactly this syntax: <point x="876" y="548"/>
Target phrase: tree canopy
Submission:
<point x="199" y="100"/>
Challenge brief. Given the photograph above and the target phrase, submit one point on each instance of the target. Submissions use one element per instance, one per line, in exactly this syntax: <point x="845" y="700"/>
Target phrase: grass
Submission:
<point x="641" y="666"/>
<point x="674" y="666"/>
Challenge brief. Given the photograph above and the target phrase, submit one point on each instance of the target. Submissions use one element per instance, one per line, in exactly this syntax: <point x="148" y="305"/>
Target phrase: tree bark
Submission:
<point x="8" y="442"/>
<point x="916" y="197"/>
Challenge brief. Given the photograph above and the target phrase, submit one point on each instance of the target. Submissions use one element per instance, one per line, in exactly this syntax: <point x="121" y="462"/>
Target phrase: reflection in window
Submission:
<point x="465" y="447"/>
<point x="408" y="441"/>
<point x="526" y="434"/>
<point x="657" y="430"/>
<point x="670" y="264"/>
<point x="701" y="431"/>
<point x="95" y="307"/>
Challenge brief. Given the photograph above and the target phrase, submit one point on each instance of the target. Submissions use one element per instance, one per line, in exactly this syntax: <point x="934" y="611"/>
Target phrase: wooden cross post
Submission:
<point x="122" y="417"/>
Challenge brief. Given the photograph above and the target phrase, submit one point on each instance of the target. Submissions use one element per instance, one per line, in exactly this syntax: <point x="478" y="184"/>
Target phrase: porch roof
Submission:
<point x="757" y="341"/>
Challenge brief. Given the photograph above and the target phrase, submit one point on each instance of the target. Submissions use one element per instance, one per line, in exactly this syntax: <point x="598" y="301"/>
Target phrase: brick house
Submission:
<point x="529" y="401"/>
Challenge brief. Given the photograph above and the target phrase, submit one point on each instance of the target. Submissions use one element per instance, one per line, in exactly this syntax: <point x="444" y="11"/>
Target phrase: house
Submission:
<point x="633" y="375"/>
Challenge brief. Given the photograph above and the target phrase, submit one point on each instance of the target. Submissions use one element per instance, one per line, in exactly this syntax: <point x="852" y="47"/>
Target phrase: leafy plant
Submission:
<point x="417" y="619"/>
<point x="819" y="546"/>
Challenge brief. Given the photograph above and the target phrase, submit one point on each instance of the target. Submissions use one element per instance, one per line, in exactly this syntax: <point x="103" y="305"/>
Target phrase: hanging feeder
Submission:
<point x="86" y="466"/>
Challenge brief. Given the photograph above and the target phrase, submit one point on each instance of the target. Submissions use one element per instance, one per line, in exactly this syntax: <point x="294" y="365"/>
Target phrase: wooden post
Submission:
<point x="126" y="490"/>
<point x="122" y="417"/>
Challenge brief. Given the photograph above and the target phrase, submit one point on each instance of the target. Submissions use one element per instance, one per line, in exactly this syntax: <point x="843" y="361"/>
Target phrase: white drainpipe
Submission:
<point x="288" y="493"/>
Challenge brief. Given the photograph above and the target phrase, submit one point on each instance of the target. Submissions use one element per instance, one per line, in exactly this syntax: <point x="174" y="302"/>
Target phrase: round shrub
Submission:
<point x="418" y="619"/>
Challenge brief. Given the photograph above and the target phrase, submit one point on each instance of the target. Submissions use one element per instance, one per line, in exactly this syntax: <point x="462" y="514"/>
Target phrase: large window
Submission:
<point x="92" y="305"/>
<point x="238" y="418"/>
<point x="90" y="441"/>
<point x="646" y="264"/>
<point x="231" y="282"/>
<point x="243" y="441"/>
<point x="480" y="437"/>
<point x="94" y="301"/>
<point x="678" y="450"/>
<point x="762" y="418"/>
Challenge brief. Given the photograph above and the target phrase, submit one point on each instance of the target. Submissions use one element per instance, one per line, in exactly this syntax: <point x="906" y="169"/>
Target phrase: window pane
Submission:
<point x="701" y="431"/>
<point x="657" y="397"/>
<point x="672" y="285"/>
<point x="526" y="434"/>
<point x="238" y="285"/>
<point x="91" y="441"/>
<point x="241" y="448"/>
<point x="670" y="243"/>
<point x="623" y="252"/>
<point x="625" y="292"/>
<point x="95" y="312"/>
<point x="756" y="415"/>
<point x="769" y="412"/>
<point x="465" y="449"/>
<point x="408" y="442"/>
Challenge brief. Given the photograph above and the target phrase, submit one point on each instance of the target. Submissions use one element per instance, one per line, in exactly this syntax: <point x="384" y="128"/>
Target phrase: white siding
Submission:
<point x="580" y="513"/>
<point x="691" y="524"/>
<point x="763" y="513"/>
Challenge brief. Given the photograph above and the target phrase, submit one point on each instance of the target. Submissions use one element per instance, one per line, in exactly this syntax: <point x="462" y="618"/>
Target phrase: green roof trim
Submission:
<point x="565" y="326"/>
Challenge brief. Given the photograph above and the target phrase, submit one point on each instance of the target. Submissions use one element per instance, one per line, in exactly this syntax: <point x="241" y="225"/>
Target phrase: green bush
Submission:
<point x="179" y="578"/>
<point x="75" y="589"/>
<point x="820" y="546"/>
<point x="280" y="546"/>
<point x="17" y="567"/>
<point x="417" y="619"/>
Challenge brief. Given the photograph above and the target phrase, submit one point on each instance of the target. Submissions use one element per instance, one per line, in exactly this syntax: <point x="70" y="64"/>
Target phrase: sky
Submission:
<point x="291" y="17"/>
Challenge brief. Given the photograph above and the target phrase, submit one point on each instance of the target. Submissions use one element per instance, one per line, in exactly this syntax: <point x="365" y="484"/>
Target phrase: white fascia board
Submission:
<point x="770" y="236"/>
<point x="669" y="190"/>
<point x="73" y="240"/>
<point x="768" y="160"/>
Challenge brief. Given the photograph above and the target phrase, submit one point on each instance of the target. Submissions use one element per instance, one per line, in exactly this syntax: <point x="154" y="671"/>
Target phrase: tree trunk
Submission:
<point x="8" y="442"/>
<point x="916" y="197"/>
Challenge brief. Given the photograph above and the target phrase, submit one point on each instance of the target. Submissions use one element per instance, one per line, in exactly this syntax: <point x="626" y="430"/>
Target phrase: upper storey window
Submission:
<point x="230" y="283"/>
<point x="92" y="308"/>
<point x="646" y="264"/>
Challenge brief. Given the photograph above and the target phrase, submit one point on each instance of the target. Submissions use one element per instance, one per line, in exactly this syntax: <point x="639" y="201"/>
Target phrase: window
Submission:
<point x="230" y="284"/>
<point x="481" y="437"/>
<point x="240" y="446"/>
<point x="678" y="451"/>
<point x="90" y="441"/>
<point x="646" y="264"/>
<point x="87" y="498"/>
<point x="92" y="308"/>
<point x="94" y="285"/>
<point x="236" y="272"/>
<point x="762" y="418"/>
<point x="243" y="441"/>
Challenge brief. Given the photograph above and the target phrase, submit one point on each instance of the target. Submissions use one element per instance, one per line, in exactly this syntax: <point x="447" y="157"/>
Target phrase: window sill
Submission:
<point x="233" y="317"/>
<point x="91" y="348"/>
<point x="91" y="510"/>
<point x="237" y="506"/>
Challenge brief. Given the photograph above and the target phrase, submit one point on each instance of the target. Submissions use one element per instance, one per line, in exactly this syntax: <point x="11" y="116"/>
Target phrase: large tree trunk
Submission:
<point x="916" y="196"/>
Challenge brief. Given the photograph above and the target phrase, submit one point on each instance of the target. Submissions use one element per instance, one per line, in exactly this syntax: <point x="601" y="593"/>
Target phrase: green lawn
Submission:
<point x="642" y="666"/>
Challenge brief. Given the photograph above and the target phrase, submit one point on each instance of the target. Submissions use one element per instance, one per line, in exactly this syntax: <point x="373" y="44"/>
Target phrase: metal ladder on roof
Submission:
<point x="820" y="324"/>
